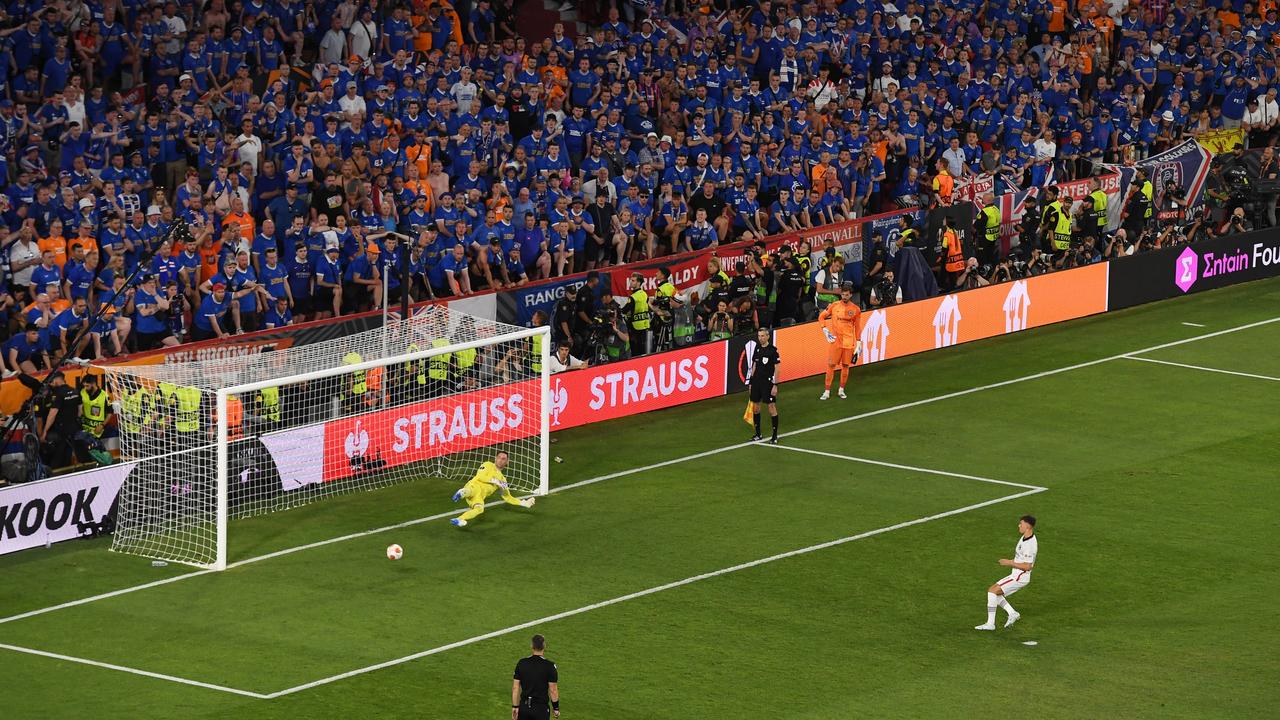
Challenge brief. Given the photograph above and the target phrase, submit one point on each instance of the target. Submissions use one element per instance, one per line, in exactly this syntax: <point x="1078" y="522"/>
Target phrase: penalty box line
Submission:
<point x="646" y="468"/>
<point x="653" y="591"/>
<point x="1203" y="368"/>
<point x="134" y="671"/>
<point x="911" y="468"/>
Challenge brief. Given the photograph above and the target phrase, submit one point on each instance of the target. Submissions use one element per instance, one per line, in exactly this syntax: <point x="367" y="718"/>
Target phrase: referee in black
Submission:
<point x="764" y="388"/>
<point x="535" y="686"/>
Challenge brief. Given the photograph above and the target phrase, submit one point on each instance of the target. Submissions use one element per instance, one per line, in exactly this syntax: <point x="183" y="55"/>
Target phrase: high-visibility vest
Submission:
<point x="93" y="412"/>
<point x="139" y="410"/>
<point x="830" y="290"/>
<point x="943" y="185"/>
<point x="1061" y="230"/>
<point x="359" y="383"/>
<point x="235" y="418"/>
<point x="991" y="224"/>
<point x="535" y="354"/>
<point x="666" y="289"/>
<point x="955" y="253"/>
<point x="269" y="403"/>
<point x="167" y="402"/>
<point x="186" y="410"/>
<point x="438" y="366"/>
<point x="907" y="237"/>
<point x="1148" y="198"/>
<point x="464" y="359"/>
<point x="806" y="267"/>
<point x="640" y="310"/>
<point x="1099" y="199"/>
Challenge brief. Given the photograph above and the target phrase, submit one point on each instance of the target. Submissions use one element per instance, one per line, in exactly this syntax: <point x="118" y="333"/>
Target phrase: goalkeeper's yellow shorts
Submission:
<point x="476" y="493"/>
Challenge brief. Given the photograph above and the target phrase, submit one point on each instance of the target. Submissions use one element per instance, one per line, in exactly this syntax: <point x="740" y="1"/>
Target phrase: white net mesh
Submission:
<point x="303" y="423"/>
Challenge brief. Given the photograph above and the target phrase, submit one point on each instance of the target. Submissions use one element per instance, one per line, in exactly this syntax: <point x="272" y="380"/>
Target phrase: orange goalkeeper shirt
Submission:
<point x="841" y="318"/>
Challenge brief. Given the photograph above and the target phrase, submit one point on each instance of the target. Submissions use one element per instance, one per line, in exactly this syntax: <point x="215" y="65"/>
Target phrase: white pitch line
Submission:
<point x="135" y="671"/>
<point x="644" y="593"/>
<point x="1190" y="324"/>
<point x="646" y="468"/>
<point x="897" y="466"/>
<point x="1201" y="367"/>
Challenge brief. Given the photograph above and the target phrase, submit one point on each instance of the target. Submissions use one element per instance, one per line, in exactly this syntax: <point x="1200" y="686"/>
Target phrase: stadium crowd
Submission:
<point x="302" y="142"/>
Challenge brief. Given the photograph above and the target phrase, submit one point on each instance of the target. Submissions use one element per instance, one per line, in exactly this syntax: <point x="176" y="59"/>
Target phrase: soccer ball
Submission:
<point x="394" y="552"/>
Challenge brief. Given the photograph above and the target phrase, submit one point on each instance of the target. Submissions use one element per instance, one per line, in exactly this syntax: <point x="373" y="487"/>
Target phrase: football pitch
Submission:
<point x="680" y="572"/>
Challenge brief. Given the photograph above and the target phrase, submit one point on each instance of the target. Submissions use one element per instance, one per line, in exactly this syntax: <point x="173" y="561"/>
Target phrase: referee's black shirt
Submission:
<point x="764" y="362"/>
<point x="535" y="673"/>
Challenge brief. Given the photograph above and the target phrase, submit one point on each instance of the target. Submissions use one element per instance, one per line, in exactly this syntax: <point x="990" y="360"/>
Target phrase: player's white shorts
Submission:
<point x="1016" y="580"/>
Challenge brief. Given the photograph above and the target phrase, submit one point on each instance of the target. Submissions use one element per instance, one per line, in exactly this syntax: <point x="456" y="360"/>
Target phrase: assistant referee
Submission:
<point x="763" y="382"/>
<point x="535" y="685"/>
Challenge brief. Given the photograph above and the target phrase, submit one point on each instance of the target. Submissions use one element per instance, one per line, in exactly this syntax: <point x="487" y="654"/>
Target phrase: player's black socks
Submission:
<point x="757" y="419"/>
<point x="774" y="418"/>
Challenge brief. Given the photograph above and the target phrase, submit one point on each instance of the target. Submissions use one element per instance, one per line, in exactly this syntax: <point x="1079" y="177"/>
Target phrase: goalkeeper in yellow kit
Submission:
<point x="488" y="480"/>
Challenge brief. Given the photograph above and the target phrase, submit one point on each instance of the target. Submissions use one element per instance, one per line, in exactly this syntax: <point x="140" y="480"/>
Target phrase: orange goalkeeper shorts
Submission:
<point x="838" y="354"/>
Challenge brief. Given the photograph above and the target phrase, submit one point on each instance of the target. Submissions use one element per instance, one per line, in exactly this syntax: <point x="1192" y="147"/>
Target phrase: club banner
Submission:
<point x="420" y="431"/>
<point x="968" y="188"/>
<point x="952" y="319"/>
<point x="1186" y="166"/>
<point x="1014" y="206"/>
<point x="1175" y="271"/>
<point x="542" y="296"/>
<point x="1221" y="141"/>
<point x="57" y="509"/>
<point x="634" y="386"/>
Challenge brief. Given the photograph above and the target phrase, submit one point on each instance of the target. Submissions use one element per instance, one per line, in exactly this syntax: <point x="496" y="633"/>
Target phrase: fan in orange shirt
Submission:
<point x="842" y="326"/>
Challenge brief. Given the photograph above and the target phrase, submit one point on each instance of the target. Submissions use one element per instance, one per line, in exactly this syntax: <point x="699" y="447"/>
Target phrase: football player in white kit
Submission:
<point x="1024" y="558"/>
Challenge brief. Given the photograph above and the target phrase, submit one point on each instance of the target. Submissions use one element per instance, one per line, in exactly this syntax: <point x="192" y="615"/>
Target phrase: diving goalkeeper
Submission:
<point x="488" y="479"/>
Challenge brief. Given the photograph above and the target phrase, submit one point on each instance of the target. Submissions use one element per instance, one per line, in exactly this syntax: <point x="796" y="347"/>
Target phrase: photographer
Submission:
<point x="607" y="340"/>
<point x="885" y="292"/>
<point x="56" y="412"/>
<point x="1236" y="223"/>
<point x="827" y="282"/>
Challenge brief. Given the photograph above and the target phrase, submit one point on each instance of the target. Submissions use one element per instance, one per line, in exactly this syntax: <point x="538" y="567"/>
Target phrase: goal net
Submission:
<point x="260" y="432"/>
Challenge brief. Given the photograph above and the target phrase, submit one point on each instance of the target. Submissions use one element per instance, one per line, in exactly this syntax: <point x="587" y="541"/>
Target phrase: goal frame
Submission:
<point x="222" y="432"/>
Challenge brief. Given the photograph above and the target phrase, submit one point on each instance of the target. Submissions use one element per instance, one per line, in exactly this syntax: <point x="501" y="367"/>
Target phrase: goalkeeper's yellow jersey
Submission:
<point x="489" y="474"/>
<point x="488" y="479"/>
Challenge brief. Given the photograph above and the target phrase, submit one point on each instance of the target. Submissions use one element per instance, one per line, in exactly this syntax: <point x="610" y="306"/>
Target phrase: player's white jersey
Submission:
<point x="1025" y="552"/>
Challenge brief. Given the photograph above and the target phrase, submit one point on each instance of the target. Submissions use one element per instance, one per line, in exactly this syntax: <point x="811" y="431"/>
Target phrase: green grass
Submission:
<point x="1155" y="592"/>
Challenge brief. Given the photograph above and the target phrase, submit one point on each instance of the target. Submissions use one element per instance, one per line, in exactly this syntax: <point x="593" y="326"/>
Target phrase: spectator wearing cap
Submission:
<point x="209" y="320"/>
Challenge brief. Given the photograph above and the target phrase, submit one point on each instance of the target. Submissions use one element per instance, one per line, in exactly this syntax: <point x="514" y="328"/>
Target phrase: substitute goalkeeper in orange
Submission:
<point x="842" y="326"/>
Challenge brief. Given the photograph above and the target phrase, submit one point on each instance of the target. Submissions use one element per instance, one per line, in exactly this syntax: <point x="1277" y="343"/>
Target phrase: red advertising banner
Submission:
<point x="634" y="386"/>
<point x="687" y="271"/>
<point x="432" y="428"/>
<point x="952" y="319"/>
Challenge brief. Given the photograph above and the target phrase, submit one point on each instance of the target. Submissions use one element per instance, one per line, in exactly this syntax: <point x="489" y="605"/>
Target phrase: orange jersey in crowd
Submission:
<point x="842" y="319"/>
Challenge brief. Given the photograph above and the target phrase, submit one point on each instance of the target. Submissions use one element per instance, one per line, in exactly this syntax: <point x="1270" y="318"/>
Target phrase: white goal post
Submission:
<point x="255" y="433"/>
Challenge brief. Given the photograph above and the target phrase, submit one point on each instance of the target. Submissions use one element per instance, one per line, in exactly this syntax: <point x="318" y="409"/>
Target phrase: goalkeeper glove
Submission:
<point x="828" y="334"/>
<point x="857" y="349"/>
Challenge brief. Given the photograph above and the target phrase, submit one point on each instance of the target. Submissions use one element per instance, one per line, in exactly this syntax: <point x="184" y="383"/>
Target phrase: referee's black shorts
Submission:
<point x="762" y="392"/>
<point x="534" y="711"/>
